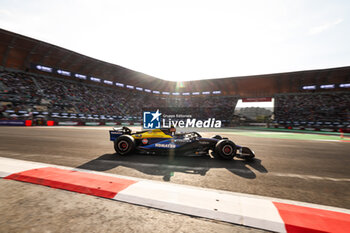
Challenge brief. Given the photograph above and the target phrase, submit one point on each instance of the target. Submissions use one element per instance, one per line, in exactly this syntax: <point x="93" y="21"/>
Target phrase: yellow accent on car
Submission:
<point x="155" y="133"/>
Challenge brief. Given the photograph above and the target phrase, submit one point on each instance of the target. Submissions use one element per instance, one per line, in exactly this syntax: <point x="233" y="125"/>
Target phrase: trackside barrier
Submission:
<point x="64" y="123"/>
<point x="307" y="128"/>
<point x="15" y="122"/>
<point x="50" y="123"/>
<point x="249" y="210"/>
<point x="111" y="123"/>
<point x="68" y="123"/>
<point x="310" y="128"/>
<point x="92" y="123"/>
<point x="327" y="130"/>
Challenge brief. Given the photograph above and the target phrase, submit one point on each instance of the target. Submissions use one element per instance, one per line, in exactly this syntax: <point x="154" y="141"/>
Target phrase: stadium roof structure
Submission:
<point x="17" y="51"/>
<point x="21" y="52"/>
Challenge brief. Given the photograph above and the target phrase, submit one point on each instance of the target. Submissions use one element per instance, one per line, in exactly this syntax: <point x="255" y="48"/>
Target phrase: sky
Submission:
<point x="192" y="39"/>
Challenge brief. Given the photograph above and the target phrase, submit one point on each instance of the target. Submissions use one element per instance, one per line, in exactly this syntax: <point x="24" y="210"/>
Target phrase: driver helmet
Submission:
<point x="172" y="129"/>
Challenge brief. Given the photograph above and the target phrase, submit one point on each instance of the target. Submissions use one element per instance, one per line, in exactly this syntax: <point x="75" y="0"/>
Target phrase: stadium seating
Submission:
<point x="25" y="95"/>
<point x="313" y="109"/>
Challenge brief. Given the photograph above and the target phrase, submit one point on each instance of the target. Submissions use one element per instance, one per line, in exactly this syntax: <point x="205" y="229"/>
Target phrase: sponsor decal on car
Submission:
<point x="171" y="146"/>
<point x="116" y="132"/>
<point x="144" y="141"/>
<point x="203" y="142"/>
<point x="182" y="140"/>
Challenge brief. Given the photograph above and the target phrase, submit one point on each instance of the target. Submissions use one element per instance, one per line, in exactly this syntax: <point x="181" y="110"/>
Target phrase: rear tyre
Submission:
<point x="124" y="145"/>
<point x="226" y="149"/>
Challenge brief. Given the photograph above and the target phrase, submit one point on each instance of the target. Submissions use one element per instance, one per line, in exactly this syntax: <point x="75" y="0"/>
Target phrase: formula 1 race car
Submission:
<point x="166" y="140"/>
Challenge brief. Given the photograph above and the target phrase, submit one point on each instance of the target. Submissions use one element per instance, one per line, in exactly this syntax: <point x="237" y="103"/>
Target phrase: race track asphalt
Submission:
<point x="314" y="170"/>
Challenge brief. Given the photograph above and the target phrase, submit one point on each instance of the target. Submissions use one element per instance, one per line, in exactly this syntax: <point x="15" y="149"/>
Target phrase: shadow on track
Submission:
<point x="165" y="166"/>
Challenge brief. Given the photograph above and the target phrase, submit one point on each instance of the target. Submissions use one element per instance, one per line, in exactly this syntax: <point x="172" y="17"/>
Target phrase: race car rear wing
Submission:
<point x="116" y="132"/>
<point x="113" y="134"/>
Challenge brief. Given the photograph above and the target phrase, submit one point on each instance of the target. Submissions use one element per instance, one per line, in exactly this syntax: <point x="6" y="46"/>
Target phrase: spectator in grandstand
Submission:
<point x="320" y="107"/>
<point x="36" y="93"/>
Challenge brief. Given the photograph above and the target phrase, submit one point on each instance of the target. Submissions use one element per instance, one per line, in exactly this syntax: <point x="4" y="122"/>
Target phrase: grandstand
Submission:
<point x="313" y="109"/>
<point x="58" y="98"/>
<point x="40" y="80"/>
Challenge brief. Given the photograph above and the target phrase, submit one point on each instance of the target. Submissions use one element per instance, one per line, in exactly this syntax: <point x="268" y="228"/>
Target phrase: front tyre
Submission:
<point x="225" y="149"/>
<point x="124" y="144"/>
